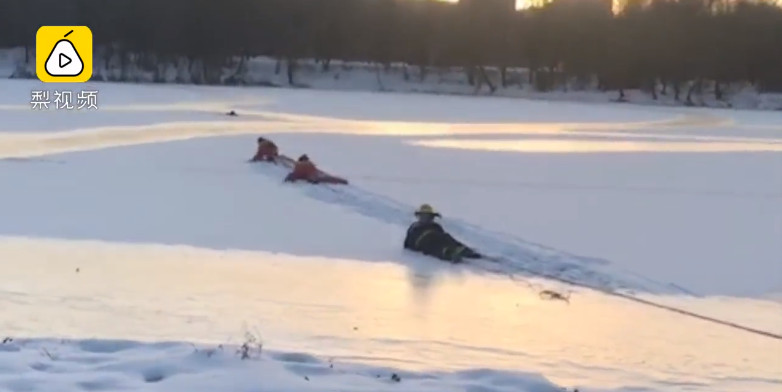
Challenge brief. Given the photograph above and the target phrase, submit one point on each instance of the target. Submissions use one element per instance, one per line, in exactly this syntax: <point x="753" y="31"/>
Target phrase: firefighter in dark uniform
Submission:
<point x="428" y="237"/>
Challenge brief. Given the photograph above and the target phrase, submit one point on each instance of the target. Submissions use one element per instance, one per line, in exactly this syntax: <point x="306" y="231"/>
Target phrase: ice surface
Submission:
<point x="677" y="193"/>
<point x="705" y="221"/>
<point x="415" y="316"/>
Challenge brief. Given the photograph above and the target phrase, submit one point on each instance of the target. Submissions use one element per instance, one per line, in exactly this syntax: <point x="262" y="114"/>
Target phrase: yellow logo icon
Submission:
<point x="63" y="54"/>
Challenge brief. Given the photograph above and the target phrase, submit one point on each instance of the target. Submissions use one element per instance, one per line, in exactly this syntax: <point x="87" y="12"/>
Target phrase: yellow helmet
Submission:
<point x="426" y="209"/>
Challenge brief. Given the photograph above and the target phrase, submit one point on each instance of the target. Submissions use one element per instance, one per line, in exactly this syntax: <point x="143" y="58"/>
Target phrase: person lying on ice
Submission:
<point x="305" y="170"/>
<point x="267" y="151"/>
<point x="428" y="237"/>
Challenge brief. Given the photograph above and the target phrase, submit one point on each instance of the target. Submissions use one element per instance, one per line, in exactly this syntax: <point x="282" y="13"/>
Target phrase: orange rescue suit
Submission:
<point x="267" y="151"/>
<point x="307" y="171"/>
<point x="304" y="171"/>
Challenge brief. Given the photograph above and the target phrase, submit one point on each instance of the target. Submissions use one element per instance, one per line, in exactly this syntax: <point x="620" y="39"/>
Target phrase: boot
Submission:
<point x="457" y="254"/>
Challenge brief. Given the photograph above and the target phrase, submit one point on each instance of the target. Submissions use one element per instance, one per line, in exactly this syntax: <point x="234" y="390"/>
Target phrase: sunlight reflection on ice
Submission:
<point x="598" y="146"/>
<point x="384" y="313"/>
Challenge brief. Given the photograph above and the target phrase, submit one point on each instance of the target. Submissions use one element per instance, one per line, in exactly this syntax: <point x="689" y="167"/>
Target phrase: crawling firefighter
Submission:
<point x="428" y="237"/>
<point x="267" y="151"/>
<point x="305" y="170"/>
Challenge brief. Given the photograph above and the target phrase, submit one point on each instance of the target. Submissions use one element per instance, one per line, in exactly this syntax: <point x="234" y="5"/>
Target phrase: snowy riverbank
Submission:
<point x="401" y="78"/>
<point x="111" y="365"/>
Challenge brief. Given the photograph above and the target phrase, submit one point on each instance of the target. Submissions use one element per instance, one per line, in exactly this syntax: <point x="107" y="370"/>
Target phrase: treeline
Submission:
<point x="662" y="46"/>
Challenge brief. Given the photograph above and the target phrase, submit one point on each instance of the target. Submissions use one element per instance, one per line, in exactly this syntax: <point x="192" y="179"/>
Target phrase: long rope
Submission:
<point x="647" y="302"/>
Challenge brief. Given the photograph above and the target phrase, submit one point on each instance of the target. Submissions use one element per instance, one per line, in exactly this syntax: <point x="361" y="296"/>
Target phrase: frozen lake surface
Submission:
<point x="417" y="317"/>
<point x="143" y="221"/>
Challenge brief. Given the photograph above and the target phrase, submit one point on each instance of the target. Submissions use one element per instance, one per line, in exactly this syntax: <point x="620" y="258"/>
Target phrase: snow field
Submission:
<point x="109" y="365"/>
<point x="412" y="316"/>
<point x="652" y="220"/>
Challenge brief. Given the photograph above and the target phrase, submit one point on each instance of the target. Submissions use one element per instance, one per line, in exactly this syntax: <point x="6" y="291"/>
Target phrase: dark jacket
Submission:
<point x="430" y="239"/>
<point x="417" y="232"/>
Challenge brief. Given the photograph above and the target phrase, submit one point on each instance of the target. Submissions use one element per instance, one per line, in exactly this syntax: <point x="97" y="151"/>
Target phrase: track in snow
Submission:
<point x="523" y="257"/>
<point x="511" y="255"/>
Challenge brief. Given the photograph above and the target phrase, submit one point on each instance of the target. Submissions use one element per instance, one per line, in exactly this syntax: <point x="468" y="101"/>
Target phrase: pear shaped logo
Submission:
<point x="64" y="53"/>
<point x="64" y="60"/>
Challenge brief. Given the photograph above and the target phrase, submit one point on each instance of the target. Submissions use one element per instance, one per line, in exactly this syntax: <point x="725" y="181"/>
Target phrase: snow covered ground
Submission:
<point x="110" y="365"/>
<point x="142" y="221"/>
<point x="401" y="78"/>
